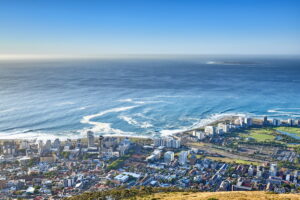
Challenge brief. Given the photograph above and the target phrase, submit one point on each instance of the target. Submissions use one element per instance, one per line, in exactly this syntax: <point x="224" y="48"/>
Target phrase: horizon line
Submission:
<point x="131" y="55"/>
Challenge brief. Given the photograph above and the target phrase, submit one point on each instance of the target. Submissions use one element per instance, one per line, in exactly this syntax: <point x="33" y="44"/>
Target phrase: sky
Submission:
<point x="123" y="27"/>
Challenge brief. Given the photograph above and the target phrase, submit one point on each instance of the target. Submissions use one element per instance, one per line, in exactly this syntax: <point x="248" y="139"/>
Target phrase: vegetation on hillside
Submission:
<point x="133" y="193"/>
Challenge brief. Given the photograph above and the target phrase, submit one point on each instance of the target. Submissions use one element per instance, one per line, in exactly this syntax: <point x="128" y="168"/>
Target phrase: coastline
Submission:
<point x="211" y="121"/>
<point x="80" y="135"/>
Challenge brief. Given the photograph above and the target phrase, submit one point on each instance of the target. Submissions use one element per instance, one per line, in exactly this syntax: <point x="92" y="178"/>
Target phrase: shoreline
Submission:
<point x="213" y="120"/>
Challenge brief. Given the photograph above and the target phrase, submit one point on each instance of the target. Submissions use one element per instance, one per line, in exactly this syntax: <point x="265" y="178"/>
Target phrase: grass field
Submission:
<point x="231" y="160"/>
<point x="256" y="195"/>
<point x="295" y="130"/>
<point x="260" y="135"/>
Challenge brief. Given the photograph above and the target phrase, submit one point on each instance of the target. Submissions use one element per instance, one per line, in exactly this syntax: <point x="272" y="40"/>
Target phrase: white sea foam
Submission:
<point x="125" y="100"/>
<point x="8" y="110"/>
<point x="132" y="121"/>
<point x="65" y="103"/>
<point x="212" y="62"/>
<point x="140" y="101"/>
<point x="37" y="135"/>
<point x="171" y="132"/>
<point x="284" y="112"/>
<point x="101" y="127"/>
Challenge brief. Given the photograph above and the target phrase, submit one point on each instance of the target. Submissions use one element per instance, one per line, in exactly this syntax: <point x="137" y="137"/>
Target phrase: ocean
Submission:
<point x="46" y="99"/>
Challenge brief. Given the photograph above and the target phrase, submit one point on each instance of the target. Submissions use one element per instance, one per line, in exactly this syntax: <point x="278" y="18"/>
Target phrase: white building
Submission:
<point x="169" y="142"/>
<point x="183" y="157"/>
<point x="169" y="156"/>
<point x="199" y="134"/>
<point x="273" y="169"/>
<point x="223" y="128"/>
<point x="248" y="121"/>
<point x="122" y="178"/>
<point x="259" y="171"/>
<point x="210" y="130"/>
<point x="241" y="121"/>
<point x="157" y="154"/>
<point x="250" y="170"/>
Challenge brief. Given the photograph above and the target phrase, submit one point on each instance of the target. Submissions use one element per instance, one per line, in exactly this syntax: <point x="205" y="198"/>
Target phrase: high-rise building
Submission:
<point x="100" y="143"/>
<point x="291" y="122"/>
<point x="265" y="121"/>
<point x="56" y="143"/>
<point x="210" y="130"/>
<point x="78" y="143"/>
<point x="199" y="134"/>
<point x="91" y="139"/>
<point x="169" y="156"/>
<point x="241" y="121"/>
<point x="276" y="122"/>
<point x="223" y="127"/>
<point x="47" y="146"/>
<point x="169" y="142"/>
<point x="248" y="121"/>
<point x="183" y="157"/>
<point x="40" y="146"/>
<point x="176" y="144"/>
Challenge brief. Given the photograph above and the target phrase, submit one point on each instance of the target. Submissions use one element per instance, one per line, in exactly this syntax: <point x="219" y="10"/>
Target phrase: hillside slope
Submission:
<point x="256" y="195"/>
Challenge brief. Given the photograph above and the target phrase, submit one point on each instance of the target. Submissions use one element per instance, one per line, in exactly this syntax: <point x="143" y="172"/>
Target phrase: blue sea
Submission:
<point x="46" y="99"/>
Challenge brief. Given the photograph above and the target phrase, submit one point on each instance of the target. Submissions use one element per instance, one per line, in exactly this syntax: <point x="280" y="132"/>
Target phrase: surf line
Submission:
<point x="105" y="127"/>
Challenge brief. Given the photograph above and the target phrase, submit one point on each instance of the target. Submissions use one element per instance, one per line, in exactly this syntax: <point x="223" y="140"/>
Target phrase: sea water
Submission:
<point x="46" y="99"/>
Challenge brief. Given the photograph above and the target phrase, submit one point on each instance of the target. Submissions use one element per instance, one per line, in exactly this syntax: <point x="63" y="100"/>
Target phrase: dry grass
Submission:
<point x="231" y="160"/>
<point x="256" y="195"/>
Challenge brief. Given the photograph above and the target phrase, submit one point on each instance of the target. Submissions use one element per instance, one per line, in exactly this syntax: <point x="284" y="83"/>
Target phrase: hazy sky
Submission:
<point x="103" y="27"/>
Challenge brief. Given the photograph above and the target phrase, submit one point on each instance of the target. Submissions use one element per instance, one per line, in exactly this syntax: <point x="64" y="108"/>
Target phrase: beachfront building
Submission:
<point x="169" y="142"/>
<point x="248" y="121"/>
<point x="199" y="134"/>
<point x="47" y="146"/>
<point x="265" y="121"/>
<point x="210" y="130"/>
<point x="276" y="122"/>
<point x="223" y="128"/>
<point x="56" y="143"/>
<point x="241" y="121"/>
<point x="91" y="139"/>
<point x="291" y="122"/>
